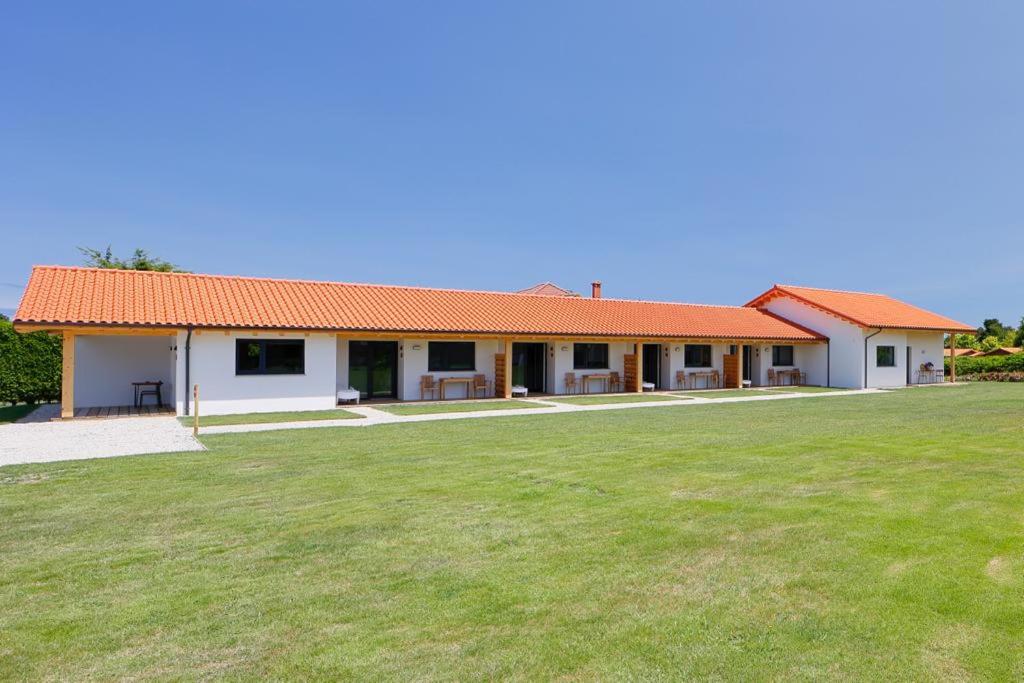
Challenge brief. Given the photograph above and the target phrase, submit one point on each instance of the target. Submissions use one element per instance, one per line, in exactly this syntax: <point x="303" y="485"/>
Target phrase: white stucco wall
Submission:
<point x="562" y="362"/>
<point x="846" y="342"/>
<point x="925" y="347"/>
<point x="413" y="365"/>
<point x="222" y="392"/>
<point x="106" y="366"/>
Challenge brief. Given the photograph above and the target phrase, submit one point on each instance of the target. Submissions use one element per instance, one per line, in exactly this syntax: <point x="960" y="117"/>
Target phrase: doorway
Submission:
<point x="910" y="359"/>
<point x="373" y="368"/>
<point x="746" y="362"/>
<point x="528" y="366"/>
<point x="652" y="364"/>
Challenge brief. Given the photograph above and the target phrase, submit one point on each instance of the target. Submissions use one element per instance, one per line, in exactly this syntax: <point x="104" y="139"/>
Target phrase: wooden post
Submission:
<point x="952" y="357"/>
<point x="639" y="367"/>
<point x="67" y="380"/>
<point x="507" y="344"/>
<point x="195" y="412"/>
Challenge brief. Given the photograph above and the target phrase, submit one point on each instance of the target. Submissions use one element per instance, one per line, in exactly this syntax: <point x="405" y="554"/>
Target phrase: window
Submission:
<point x="885" y="356"/>
<point x="452" y="356"/>
<point x="589" y="356"/>
<point x="782" y="355"/>
<point x="697" y="356"/>
<point x="270" y="356"/>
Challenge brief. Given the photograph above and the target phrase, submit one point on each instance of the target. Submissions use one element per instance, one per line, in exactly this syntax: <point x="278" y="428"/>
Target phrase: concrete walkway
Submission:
<point x="36" y="441"/>
<point x="373" y="416"/>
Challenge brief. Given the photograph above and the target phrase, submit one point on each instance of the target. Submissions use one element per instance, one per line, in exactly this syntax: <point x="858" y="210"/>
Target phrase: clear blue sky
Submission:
<point x="695" y="151"/>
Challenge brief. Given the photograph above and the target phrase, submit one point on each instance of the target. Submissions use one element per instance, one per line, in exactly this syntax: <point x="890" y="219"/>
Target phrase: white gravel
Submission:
<point x="81" y="439"/>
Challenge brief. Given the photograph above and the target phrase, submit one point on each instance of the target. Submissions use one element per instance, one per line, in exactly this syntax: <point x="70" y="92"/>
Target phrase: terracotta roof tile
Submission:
<point x="66" y="295"/>
<point x="865" y="309"/>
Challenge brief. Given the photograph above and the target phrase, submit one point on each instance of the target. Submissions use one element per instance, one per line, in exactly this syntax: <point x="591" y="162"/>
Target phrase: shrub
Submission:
<point x="30" y="366"/>
<point x="988" y="364"/>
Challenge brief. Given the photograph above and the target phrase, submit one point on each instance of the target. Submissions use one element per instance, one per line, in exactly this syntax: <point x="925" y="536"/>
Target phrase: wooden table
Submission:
<point x="707" y="375"/>
<point x="468" y="381"/>
<point x="788" y="373"/>
<point x="603" y="377"/>
<point x="138" y="388"/>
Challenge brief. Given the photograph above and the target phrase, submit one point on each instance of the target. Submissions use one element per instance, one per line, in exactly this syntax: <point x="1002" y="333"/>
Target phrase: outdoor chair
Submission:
<point x="480" y="383"/>
<point x="772" y="379"/>
<point x="149" y="389"/>
<point x="614" y="381"/>
<point x="799" y="377"/>
<point x="680" y="379"/>
<point x="570" y="383"/>
<point x="427" y="386"/>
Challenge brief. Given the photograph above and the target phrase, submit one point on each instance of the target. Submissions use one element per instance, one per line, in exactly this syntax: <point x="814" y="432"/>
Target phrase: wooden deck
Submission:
<point x="100" y="412"/>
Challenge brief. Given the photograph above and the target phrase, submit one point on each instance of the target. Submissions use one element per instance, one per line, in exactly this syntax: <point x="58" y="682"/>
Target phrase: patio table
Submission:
<point x="601" y="377"/>
<point x="468" y="381"/>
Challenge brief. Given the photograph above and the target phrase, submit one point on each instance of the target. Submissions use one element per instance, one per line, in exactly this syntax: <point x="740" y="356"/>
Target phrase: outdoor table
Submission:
<point x="603" y="377"/>
<point x="791" y="374"/>
<point x="468" y="381"/>
<point x="706" y="375"/>
<point x="139" y="389"/>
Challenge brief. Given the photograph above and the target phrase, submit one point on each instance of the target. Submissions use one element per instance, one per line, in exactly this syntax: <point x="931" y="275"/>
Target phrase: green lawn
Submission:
<point x="267" y="418"/>
<point x="720" y="393"/>
<point x="430" y="408"/>
<point x="803" y="390"/>
<point x="600" y="400"/>
<point x="867" y="537"/>
<point x="15" y="412"/>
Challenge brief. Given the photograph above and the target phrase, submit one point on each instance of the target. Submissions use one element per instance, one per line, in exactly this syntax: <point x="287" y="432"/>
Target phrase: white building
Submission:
<point x="257" y="345"/>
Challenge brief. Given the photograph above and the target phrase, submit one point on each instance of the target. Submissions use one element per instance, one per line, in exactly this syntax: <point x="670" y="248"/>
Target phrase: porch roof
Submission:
<point x="61" y="295"/>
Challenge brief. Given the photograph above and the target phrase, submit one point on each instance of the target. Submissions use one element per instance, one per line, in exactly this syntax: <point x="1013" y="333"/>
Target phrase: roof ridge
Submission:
<point x="837" y="291"/>
<point x="154" y="273"/>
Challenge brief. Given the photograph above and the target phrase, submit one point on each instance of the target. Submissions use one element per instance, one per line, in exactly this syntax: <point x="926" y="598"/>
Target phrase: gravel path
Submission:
<point x="81" y="439"/>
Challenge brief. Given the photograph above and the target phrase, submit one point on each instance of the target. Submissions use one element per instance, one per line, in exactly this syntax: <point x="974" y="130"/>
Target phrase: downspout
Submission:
<point x="828" y="362"/>
<point x="188" y="359"/>
<point x="866" y="355"/>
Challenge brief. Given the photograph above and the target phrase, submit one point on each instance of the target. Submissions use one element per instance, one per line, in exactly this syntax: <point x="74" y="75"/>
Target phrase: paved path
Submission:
<point x="373" y="416"/>
<point x="38" y="441"/>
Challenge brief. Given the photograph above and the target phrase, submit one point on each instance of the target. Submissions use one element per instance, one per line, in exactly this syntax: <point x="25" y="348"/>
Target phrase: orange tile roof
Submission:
<point x="547" y="289"/>
<point x="59" y="295"/>
<point x="865" y="309"/>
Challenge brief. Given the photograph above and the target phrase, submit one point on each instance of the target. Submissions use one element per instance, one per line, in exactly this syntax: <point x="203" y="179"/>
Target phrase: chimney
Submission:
<point x="595" y="289"/>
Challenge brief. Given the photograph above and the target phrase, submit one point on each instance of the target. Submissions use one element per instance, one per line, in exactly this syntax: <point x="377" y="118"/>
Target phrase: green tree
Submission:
<point x="29" y="365"/>
<point x="990" y="342"/>
<point x="1018" y="339"/>
<point x="965" y="341"/>
<point x="991" y="327"/>
<point x="139" y="260"/>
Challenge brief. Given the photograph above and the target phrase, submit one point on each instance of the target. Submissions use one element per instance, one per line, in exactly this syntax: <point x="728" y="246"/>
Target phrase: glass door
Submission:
<point x="373" y="368"/>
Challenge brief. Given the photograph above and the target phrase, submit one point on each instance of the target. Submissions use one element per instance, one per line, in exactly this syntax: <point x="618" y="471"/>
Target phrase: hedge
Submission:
<point x="30" y="366"/>
<point x="980" y="365"/>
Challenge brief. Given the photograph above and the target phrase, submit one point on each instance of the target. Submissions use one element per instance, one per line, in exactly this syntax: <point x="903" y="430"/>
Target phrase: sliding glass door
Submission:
<point x="373" y="368"/>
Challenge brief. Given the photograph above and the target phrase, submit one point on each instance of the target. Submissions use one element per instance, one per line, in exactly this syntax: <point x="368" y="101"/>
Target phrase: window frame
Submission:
<point x="446" y="357"/>
<point x="878" y="359"/>
<point x="262" y="370"/>
<point x="775" y="355"/>
<point x="589" y="363"/>
<point x="710" y="356"/>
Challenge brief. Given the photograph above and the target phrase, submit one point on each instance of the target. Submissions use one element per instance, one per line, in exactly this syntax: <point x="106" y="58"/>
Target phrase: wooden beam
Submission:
<point x="639" y="386"/>
<point x="67" y="382"/>
<point x="507" y="345"/>
<point x="952" y="357"/>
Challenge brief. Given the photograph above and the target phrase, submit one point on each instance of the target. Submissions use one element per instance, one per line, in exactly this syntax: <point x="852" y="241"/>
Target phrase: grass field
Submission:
<point x="605" y="399"/>
<point x="268" y="418"/>
<point x="720" y="393"/>
<point x="15" y="412"/>
<point x="869" y="537"/>
<point x="431" y="408"/>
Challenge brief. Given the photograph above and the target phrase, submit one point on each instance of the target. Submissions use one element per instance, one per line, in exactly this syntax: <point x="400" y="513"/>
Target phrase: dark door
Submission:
<point x="652" y="364"/>
<point x="373" y="368"/>
<point x="528" y="366"/>
<point x="746" y="362"/>
<point x="910" y="358"/>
